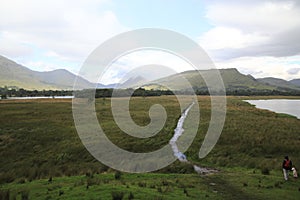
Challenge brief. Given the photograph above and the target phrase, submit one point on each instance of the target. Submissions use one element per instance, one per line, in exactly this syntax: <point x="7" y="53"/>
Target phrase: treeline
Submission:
<point x="15" y="92"/>
<point x="255" y="92"/>
<point x="109" y="92"/>
<point x="244" y="91"/>
<point x="101" y="93"/>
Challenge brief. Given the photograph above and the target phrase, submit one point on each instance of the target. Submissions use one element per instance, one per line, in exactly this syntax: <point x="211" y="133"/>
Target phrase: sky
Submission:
<point x="258" y="37"/>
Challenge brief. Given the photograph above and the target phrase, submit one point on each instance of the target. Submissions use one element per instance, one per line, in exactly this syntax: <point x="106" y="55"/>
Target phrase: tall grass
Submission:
<point x="38" y="138"/>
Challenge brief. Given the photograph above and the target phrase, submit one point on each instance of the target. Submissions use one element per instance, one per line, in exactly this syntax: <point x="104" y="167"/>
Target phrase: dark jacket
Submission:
<point x="287" y="164"/>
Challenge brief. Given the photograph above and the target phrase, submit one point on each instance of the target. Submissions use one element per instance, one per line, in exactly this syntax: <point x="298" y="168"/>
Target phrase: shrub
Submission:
<point x="25" y="195"/>
<point x="130" y="196"/>
<point x="21" y="181"/>
<point x="118" y="175"/>
<point x="142" y="184"/>
<point x="186" y="192"/>
<point x="165" y="183"/>
<point x="7" y="177"/>
<point x="117" y="195"/>
<point x="4" y="194"/>
<point x="89" y="174"/>
<point x="277" y="184"/>
<point x="92" y="181"/>
<point x="61" y="192"/>
<point x="265" y="171"/>
<point x="159" y="190"/>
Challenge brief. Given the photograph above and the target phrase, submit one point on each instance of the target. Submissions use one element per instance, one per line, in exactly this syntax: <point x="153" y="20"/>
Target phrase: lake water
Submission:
<point x="287" y="106"/>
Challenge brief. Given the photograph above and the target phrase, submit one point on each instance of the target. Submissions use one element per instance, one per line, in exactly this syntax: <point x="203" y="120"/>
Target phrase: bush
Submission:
<point x="7" y="177"/>
<point x="130" y="196"/>
<point x="159" y="190"/>
<point x="117" y="195"/>
<point x="118" y="175"/>
<point x="142" y="184"/>
<point x="21" y="181"/>
<point x="61" y="192"/>
<point x="265" y="171"/>
<point x="89" y="174"/>
<point x="92" y="181"/>
<point x="25" y="195"/>
<point x="4" y="194"/>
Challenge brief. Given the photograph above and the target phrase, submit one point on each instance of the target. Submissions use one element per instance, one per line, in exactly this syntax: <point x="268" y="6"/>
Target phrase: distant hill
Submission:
<point x="16" y="75"/>
<point x="232" y="79"/>
<point x="295" y="82"/>
<point x="133" y="82"/>
<point x="279" y="83"/>
<point x="13" y="74"/>
<point x="101" y="86"/>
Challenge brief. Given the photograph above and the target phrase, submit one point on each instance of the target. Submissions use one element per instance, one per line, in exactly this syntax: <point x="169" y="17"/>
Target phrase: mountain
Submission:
<point x="101" y="86"/>
<point x="295" y="82"/>
<point x="232" y="79"/>
<point x="133" y="82"/>
<point x="279" y="83"/>
<point x="16" y="75"/>
<point x="13" y="74"/>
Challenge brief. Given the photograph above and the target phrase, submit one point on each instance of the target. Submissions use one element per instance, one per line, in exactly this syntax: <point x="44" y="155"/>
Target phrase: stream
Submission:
<point x="178" y="131"/>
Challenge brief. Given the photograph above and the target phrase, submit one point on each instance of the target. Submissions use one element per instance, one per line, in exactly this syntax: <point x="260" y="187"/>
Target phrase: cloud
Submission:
<point x="8" y="46"/>
<point x="41" y="65"/>
<point x="265" y="66"/>
<point x="293" y="71"/>
<point x="69" y="29"/>
<point x="129" y="64"/>
<point x="252" y="28"/>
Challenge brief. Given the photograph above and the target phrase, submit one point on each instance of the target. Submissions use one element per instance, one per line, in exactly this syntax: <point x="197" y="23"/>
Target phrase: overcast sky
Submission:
<point x="258" y="37"/>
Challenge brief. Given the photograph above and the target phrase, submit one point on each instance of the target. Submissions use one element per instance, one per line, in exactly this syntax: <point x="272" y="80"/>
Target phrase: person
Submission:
<point x="295" y="174"/>
<point x="286" y="167"/>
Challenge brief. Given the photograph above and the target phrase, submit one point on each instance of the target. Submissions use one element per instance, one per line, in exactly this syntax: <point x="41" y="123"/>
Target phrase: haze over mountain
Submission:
<point x="295" y="82"/>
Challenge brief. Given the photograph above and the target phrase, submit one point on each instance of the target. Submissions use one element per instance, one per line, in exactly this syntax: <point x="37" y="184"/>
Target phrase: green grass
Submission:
<point x="233" y="183"/>
<point x="38" y="140"/>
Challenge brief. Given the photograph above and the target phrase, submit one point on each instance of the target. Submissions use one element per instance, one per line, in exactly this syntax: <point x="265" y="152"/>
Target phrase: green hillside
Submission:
<point x="279" y="83"/>
<point x="13" y="74"/>
<point x="232" y="78"/>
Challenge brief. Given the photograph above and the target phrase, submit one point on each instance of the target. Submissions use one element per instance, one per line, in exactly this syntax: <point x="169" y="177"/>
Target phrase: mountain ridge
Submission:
<point x="295" y="82"/>
<point x="279" y="83"/>
<point x="16" y="75"/>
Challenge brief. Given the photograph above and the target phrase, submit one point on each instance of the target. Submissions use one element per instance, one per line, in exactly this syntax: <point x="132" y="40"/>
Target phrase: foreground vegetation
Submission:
<point x="233" y="183"/>
<point x="39" y="143"/>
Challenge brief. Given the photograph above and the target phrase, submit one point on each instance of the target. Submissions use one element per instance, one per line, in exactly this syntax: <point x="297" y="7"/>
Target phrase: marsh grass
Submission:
<point x="230" y="183"/>
<point x="38" y="140"/>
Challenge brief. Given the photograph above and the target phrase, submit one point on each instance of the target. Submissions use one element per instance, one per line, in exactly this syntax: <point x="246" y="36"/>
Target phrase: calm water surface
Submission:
<point x="287" y="106"/>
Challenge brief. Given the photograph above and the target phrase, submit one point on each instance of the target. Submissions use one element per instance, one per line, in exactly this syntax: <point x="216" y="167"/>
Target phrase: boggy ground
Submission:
<point x="38" y="140"/>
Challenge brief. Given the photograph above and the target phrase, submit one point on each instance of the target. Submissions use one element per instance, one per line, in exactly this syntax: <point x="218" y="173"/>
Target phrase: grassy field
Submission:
<point x="229" y="183"/>
<point x="38" y="140"/>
